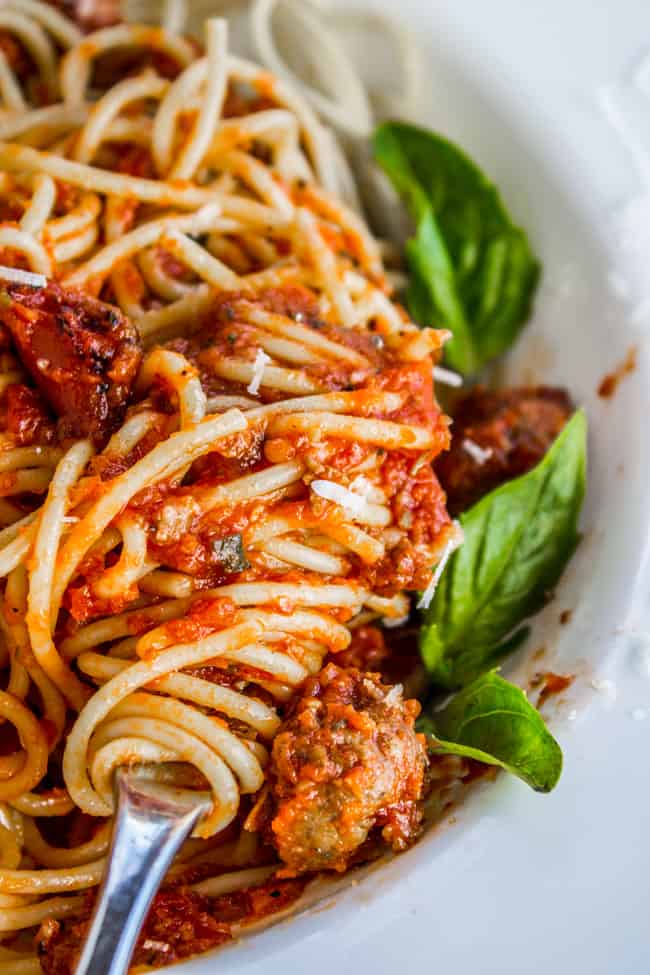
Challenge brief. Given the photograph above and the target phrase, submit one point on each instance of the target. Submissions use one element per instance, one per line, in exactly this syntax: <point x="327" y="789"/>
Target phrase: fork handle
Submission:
<point x="148" y="831"/>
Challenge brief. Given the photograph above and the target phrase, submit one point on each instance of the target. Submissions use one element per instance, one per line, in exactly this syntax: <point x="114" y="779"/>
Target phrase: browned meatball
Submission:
<point x="83" y="355"/>
<point x="513" y="429"/>
<point x="346" y="761"/>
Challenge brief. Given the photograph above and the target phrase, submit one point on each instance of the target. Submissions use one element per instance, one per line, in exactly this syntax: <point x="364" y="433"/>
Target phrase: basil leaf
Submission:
<point x="472" y="270"/>
<point x="432" y="279"/>
<point x="230" y="553"/>
<point x="518" y="539"/>
<point x="492" y="721"/>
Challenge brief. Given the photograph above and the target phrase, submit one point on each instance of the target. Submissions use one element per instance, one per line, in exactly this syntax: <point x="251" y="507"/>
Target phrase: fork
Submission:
<point x="151" y="823"/>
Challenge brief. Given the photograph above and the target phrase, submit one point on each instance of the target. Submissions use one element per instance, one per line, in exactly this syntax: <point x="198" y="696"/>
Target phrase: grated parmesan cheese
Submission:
<point x="454" y="542"/>
<point x="447" y="377"/>
<point x="361" y="485"/>
<point x="261" y="361"/>
<point x="22" y="277"/>
<point x="478" y="454"/>
<point x="366" y="489"/>
<point x="391" y="622"/>
<point x="394" y="695"/>
<point x="339" y="495"/>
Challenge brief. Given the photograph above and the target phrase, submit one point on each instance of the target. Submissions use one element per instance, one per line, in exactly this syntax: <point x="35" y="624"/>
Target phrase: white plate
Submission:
<point x="520" y="882"/>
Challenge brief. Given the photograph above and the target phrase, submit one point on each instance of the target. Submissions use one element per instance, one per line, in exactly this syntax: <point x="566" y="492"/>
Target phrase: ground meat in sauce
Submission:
<point x="516" y="425"/>
<point x="82" y="354"/>
<point x="224" y="332"/>
<point x="180" y="923"/>
<point x="346" y="760"/>
<point x="392" y="652"/>
<point x="419" y="509"/>
<point x="27" y="420"/>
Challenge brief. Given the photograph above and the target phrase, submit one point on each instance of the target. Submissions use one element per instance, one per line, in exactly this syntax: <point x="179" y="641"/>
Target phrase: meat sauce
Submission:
<point x="610" y="383"/>
<point x="224" y="333"/>
<point x="26" y="418"/>
<point x="513" y="427"/>
<point x="82" y="354"/>
<point x="393" y="654"/>
<point x="204" y="617"/>
<point x="419" y="508"/>
<point x="180" y="923"/>
<point x="83" y="603"/>
<point x="551" y="685"/>
<point x="411" y="487"/>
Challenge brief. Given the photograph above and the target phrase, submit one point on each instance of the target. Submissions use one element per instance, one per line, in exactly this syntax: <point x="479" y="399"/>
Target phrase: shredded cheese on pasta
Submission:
<point x="22" y="277"/>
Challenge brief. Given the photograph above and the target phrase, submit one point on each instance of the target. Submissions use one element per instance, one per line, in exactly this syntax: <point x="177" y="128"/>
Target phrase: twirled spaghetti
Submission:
<point x="239" y="478"/>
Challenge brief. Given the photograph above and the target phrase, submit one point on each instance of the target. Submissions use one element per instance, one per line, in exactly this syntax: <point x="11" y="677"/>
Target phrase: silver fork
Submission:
<point x="151" y="823"/>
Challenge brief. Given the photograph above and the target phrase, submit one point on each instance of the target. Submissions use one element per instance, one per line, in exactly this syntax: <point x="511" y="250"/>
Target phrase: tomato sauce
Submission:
<point x="27" y="420"/>
<point x="610" y="383"/>
<point x="180" y="923"/>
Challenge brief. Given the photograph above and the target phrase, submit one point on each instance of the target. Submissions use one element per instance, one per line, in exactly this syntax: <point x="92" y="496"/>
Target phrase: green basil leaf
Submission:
<point x="472" y="270"/>
<point x="518" y="539"/>
<point x="493" y="721"/>
<point x="230" y="553"/>
<point x="432" y="279"/>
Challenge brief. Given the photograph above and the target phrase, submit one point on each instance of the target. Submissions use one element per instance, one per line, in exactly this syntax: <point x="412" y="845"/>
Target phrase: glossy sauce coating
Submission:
<point x="181" y="923"/>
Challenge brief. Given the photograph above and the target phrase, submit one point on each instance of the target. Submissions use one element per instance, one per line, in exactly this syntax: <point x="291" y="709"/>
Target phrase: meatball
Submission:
<point x="512" y="429"/>
<point x="82" y="354"/>
<point x="346" y="761"/>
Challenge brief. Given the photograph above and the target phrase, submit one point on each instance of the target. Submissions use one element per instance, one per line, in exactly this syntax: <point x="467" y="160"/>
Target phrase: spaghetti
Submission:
<point x="215" y="461"/>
